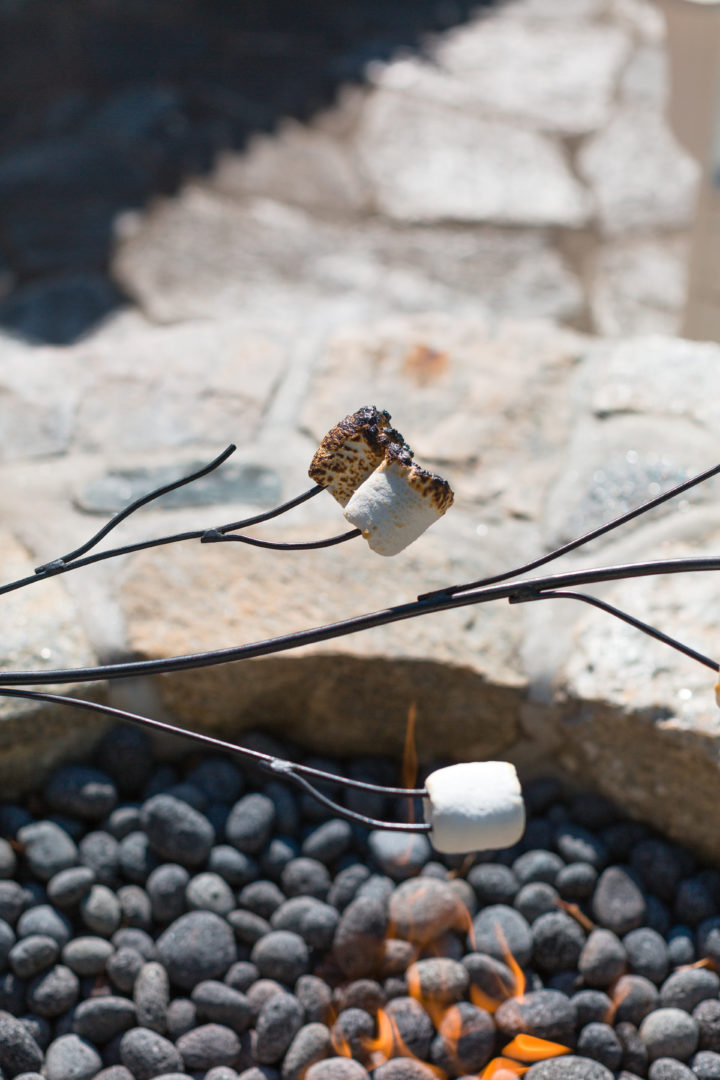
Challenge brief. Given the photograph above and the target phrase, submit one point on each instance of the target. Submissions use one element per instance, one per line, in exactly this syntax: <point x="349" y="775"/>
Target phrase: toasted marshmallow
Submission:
<point x="397" y="502"/>
<point x="475" y="806"/>
<point x="717" y="693"/>
<point x="351" y="450"/>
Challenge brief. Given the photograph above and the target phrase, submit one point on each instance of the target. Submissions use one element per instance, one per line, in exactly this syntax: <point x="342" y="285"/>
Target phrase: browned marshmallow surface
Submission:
<point x="351" y="450"/>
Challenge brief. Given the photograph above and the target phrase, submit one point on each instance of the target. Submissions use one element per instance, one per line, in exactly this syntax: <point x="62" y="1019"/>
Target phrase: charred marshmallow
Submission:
<point x="397" y="502"/>
<point x="351" y="451"/>
<point x="475" y="806"/>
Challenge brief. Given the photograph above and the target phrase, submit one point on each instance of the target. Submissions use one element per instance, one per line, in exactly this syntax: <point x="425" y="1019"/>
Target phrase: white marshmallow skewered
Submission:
<point x="397" y="503"/>
<point x="474" y="806"/>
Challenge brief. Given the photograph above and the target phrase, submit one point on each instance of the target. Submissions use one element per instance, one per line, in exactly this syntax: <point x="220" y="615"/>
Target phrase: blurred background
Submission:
<point x="519" y="156"/>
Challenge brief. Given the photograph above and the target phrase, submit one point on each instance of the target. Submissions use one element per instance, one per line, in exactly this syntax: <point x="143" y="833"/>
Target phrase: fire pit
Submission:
<point x="166" y="918"/>
<point x="198" y="919"/>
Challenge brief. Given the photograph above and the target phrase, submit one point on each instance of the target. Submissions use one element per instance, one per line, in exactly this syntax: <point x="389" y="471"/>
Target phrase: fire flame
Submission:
<point x="410" y="759"/>
<point x="446" y="1017"/>
<point x="530" y="1048"/>
<point x="389" y="1044"/>
<point x="502" y="1068"/>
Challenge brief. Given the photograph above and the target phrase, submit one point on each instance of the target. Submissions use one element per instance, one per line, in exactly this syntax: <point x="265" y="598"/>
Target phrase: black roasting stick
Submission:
<point x="498" y="587"/>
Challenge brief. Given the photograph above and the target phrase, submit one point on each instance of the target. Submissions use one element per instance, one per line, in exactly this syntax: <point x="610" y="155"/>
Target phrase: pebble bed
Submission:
<point x="194" y="919"/>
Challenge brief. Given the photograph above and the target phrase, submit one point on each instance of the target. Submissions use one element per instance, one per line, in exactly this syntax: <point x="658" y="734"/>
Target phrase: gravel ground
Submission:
<point x="193" y="919"/>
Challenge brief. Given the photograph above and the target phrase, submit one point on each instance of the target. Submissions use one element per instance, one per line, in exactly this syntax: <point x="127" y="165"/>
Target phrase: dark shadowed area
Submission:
<point x="104" y="104"/>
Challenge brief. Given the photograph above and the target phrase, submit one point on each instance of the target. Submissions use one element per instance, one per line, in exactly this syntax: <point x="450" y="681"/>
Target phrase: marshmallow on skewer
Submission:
<point x="351" y="450"/>
<point x="397" y="502"/>
<point x="474" y="806"/>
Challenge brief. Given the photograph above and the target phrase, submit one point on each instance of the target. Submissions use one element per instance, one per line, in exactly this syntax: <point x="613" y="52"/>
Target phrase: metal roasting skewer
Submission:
<point x="497" y="587"/>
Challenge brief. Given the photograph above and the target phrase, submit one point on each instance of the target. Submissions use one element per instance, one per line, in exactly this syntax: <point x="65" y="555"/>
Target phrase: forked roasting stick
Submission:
<point x="390" y="500"/>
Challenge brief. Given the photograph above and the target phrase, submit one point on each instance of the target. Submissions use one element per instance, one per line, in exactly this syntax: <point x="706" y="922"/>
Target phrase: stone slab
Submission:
<point x="639" y="174"/>
<point x="203" y="257"/>
<point x="640" y="286"/>
<point x="41" y="629"/>
<point x="137" y="388"/>
<point x="428" y="162"/>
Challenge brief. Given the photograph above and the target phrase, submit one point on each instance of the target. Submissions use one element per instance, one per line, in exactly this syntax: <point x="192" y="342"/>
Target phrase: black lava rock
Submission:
<point x="221" y="1004"/>
<point x="100" y="1019"/>
<point x="233" y="866"/>
<point x="209" y="892"/>
<point x="281" y="955"/>
<point x="315" y="921"/>
<point x="535" y="899"/>
<point x="250" y="823"/>
<point x="569" y="1067"/>
<point x="498" y="928"/>
<point x="315" y="996"/>
<point x="398" y="855"/>
<point x="305" y="877"/>
<point x="412" y="1024"/>
<point x="705" y="1064"/>
<point x="647" y="953"/>
<point x="147" y="1054"/>
<point x="311" y="1043"/>
<point x="68" y="887"/>
<point x="328" y="841"/>
<point x="558" y="940"/>
<point x="176" y="831"/>
<point x="47" y="848"/>
<point x="494" y="883"/>
<point x="197" y="946"/>
<point x="346" y="885"/>
<point x="592" y="1006"/>
<point x="19" y="1052"/>
<point x="279" y="1020"/>
<point x="602" y="959"/>
<point x="577" y="844"/>
<point x="81" y="791"/>
<point x="151" y="995"/>
<point x="248" y="926"/>
<point x="687" y="988"/>
<point x="707" y="1017"/>
<point x="618" y="903"/>
<point x="359" y="939"/>
<point x="539" y="865"/>
<point x="54" y="992"/>
<point x="33" y="954"/>
<point x="635" y="997"/>
<point x="669" y="1033"/>
<point x="261" y="897"/>
<point x="210" y="1046"/>
<point x="576" y="881"/>
<point x="669" y="1069"/>
<point x="70" y="1056"/>
<point x="600" y="1042"/>
<point x="464" y="1041"/>
<point x="547" y="1014"/>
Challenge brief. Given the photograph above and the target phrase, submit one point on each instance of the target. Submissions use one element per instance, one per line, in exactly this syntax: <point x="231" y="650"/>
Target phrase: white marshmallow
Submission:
<point x="397" y="503"/>
<point x="475" y="806"/>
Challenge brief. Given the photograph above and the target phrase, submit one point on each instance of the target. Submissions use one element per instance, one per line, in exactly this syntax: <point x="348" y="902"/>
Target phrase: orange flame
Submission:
<point x="410" y="760"/>
<point x="530" y="1048"/>
<point x="389" y="1044"/>
<point x="340" y="1044"/>
<point x="502" y="1068"/>
<point x="518" y="973"/>
<point x="617" y="993"/>
<point x="577" y="914"/>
